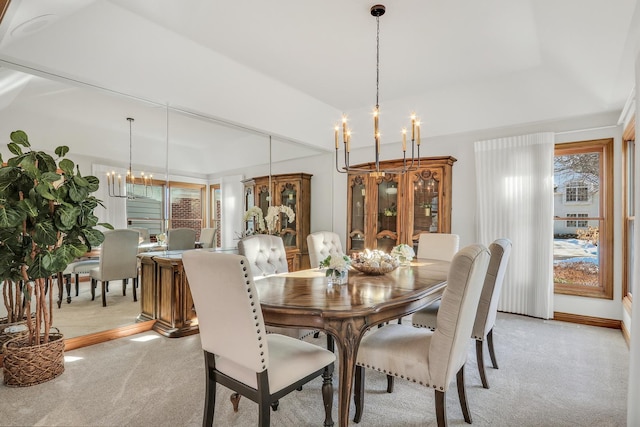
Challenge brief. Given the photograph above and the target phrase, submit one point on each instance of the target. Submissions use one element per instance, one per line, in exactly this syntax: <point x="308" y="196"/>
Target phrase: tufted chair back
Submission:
<point x="440" y="246"/>
<point x="144" y="234"/>
<point x="266" y="254"/>
<point x="180" y="239"/>
<point x="322" y="244"/>
<point x="240" y="307"/>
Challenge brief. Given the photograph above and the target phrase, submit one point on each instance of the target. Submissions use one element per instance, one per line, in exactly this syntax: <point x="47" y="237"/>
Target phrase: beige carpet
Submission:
<point x="551" y="374"/>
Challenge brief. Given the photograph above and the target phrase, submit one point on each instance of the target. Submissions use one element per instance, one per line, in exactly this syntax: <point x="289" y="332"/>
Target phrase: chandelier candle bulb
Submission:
<point x="344" y="128"/>
<point x="337" y="129"/>
<point x="404" y="139"/>
<point x="418" y="133"/>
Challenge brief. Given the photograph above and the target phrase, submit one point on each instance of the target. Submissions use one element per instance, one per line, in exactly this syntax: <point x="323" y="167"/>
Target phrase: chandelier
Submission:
<point x="126" y="189"/>
<point x="407" y="164"/>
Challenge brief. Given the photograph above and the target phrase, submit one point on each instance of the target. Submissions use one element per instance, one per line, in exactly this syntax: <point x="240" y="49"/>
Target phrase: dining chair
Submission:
<point x="430" y="358"/>
<point x="487" y="308"/>
<point x="266" y="255"/>
<point x="321" y="244"/>
<point x="262" y="367"/>
<point x="118" y="261"/>
<point x="76" y="269"/>
<point x="441" y="246"/>
<point x="207" y="237"/>
<point x="144" y="234"/>
<point x="180" y="239"/>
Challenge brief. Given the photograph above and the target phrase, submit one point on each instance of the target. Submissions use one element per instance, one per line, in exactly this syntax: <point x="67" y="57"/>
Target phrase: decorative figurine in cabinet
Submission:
<point x="395" y="208"/>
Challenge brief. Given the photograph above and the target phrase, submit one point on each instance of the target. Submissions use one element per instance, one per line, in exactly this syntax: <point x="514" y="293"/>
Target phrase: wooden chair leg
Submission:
<point x="67" y="283"/>
<point x="93" y="289"/>
<point x="390" y="380"/>
<point x="441" y="408"/>
<point x="210" y="392"/>
<point x="327" y="394"/>
<point x="124" y="287"/>
<point x="462" y="394"/>
<point x="135" y="285"/>
<point x="492" y="353"/>
<point x="77" y="284"/>
<point x="480" y="359"/>
<point x="105" y="285"/>
<point x="358" y="393"/>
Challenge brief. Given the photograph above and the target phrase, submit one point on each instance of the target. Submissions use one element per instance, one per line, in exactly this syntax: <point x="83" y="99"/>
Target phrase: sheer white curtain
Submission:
<point x="515" y="200"/>
<point x="115" y="208"/>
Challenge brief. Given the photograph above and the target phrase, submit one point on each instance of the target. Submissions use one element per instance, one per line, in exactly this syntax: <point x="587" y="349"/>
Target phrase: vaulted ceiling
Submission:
<point x="290" y="68"/>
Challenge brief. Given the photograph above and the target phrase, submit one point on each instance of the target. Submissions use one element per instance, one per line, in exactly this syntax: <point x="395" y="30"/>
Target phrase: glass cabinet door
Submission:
<point x="263" y="198"/>
<point x="358" y="209"/>
<point x="426" y="190"/>
<point x="289" y="198"/>
<point x="387" y="229"/>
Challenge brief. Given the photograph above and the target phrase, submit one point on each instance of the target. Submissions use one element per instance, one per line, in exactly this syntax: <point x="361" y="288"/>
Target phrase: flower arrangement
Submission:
<point x="403" y="252"/>
<point x="335" y="263"/>
<point x="255" y="212"/>
<point x="161" y="238"/>
<point x="273" y="216"/>
<point x="337" y="267"/>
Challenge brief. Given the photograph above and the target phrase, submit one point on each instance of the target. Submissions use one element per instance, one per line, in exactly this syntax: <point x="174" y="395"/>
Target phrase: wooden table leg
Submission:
<point x="347" y="334"/>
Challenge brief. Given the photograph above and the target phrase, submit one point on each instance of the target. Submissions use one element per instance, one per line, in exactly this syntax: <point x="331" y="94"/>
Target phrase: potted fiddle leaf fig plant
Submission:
<point x="46" y="221"/>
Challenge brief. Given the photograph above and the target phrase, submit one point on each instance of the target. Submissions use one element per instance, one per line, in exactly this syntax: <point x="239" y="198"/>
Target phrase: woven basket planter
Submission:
<point x="11" y="330"/>
<point x="26" y="365"/>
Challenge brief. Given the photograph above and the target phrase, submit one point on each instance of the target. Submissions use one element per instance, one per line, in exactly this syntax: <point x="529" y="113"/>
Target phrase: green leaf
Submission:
<point x="80" y="181"/>
<point x="43" y="189"/>
<point x="11" y="217"/>
<point x="29" y="207"/>
<point x="106" y="225"/>
<point x="94" y="183"/>
<point x="45" y="234"/>
<point x="46" y="162"/>
<point x="20" y="137"/>
<point x="62" y="151"/>
<point x="28" y="163"/>
<point x="14" y="148"/>
<point x="50" y="177"/>
<point x="69" y="215"/>
<point x="67" y="166"/>
<point x="78" y="194"/>
<point x="93" y="236"/>
<point x="8" y="176"/>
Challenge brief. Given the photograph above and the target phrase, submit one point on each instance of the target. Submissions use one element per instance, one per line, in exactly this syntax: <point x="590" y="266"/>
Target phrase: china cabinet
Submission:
<point x="395" y="208"/>
<point x="291" y="190"/>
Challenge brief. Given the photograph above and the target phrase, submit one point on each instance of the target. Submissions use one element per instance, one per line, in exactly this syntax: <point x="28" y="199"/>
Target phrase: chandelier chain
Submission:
<point x="377" y="60"/>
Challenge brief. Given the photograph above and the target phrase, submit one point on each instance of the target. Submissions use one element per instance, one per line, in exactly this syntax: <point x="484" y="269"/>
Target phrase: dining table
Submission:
<point x="305" y="299"/>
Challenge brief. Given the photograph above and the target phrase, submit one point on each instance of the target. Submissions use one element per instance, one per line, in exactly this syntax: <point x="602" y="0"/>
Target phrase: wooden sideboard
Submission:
<point x="165" y="295"/>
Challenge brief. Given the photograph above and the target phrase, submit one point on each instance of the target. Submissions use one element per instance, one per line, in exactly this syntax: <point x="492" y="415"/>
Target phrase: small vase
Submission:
<point x="338" y="277"/>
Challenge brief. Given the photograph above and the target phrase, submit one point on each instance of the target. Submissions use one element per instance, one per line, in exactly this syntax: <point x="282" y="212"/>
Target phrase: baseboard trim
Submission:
<point x="108" y="335"/>
<point x="587" y="320"/>
<point x="626" y="334"/>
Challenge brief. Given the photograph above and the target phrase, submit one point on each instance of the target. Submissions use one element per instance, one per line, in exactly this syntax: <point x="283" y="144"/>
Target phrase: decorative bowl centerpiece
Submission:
<point x="374" y="262"/>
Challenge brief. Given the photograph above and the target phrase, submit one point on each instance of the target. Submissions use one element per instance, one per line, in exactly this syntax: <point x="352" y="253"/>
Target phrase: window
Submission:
<point x="577" y="223"/>
<point x="152" y="206"/>
<point x="577" y="193"/>
<point x="583" y="253"/>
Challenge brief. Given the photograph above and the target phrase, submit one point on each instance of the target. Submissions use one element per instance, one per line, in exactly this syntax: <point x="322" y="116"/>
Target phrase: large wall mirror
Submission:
<point x="169" y="142"/>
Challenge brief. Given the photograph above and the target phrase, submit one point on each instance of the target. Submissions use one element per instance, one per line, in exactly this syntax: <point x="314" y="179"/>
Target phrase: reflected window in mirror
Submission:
<point x="146" y="210"/>
<point x="186" y="209"/>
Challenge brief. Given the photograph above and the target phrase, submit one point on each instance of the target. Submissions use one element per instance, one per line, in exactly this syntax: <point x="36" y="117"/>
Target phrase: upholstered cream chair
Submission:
<point x="144" y="234"/>
<point x="440" y="246"/>
<point x="266" y="254"/>
<point x="207" y="237"/>
<point x="431" y="358"/>
<point x="487" y="308"/>
<point x="118" y="261"/>
<point x="77" y="268"/>
<point x="179" y="239"/>
<point x="262" y="367"/>
<point x="321" y="244"/>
